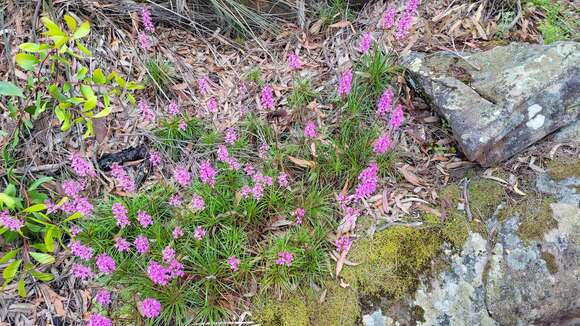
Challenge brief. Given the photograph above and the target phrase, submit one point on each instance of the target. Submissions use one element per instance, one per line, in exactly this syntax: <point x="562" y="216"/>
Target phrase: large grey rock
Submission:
<point x="500" y="101"/>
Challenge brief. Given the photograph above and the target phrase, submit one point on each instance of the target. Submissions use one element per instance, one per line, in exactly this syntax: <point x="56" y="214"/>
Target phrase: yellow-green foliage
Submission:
<point x="550" y="262"/>
<point x="339" y="308"/>
<point x="484" y="197"/>
<point x="536" y="218"/>
<point x="392" y="262"/>
<point x="560" y="170"/>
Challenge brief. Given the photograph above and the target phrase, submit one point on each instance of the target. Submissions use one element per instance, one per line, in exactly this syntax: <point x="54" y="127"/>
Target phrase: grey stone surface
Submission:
<point x="500" y="101"/>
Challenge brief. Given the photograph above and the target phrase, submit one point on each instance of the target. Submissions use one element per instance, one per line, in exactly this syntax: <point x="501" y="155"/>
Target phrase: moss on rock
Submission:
<point x="484" y="197"/>
<point x="292" y="311"/>
<point x="561" y="170"/>
<point x="536" y="218"/>
<point x="550" y="262"/>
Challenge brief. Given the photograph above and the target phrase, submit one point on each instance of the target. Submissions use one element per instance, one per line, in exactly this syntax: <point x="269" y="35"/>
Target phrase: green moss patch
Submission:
<point x="484" y="197"/>
<point x="392" y="262"/>
<point x="550" y="262"/>
<point x="561" y="170"/>
<point x="536" y="218"/>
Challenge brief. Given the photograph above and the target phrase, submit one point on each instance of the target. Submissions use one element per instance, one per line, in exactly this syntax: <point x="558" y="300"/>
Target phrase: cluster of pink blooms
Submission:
<point x="207" y="173"/>
<point x="144" y="40"/>
<point x="81" y="167"/>
<point x="299" y="214"/>
<point x="141" y="244"/>
<point x="224" y="156"/>
<point x="365" y="43"/>
<point x="199" y="232"/>
<point x="397" y="118"/>
<point x="382" y="144"/>
<point x="98" y="320"/>
<point x="282" y="180"/>
<point x="144" y="219"/>
<point x="11" y="223"/>
<point x="81" y="271"/>
<point x="263" y="150"/>
<point x="78" y="203"/>
<point x="368" y="180"/>
<point x="120" y="214"/>
<point x="406" y="20"/>
<point x="173" y="108"/>
<point x="175" y="200"/>
<point x="150" y="308"/>
<point x="310" y="130"/>
<point x="103" y="297"/>
<point x="122" y="245"/>
<point x="177" y="232"/>
<point x="145" y="110"/>
<point x="284" y="259"/>
<point x="389" y="18"/>
<point x="230" y="136"/>
<point x="234" y="261"/>
<point x="162" y="275"/>
<point x="212" y="105"/>
<point x="105" y="264"/>
<point x="267" y="98"/>
<point x="149" y="27"/>
<point x="197" y="203"/>
<point x="181" y="175"/>
<point x="294" y="61"/>
<point x="345" y="83"/>
<point x="203" y="85"/>
<point x="155" y="158"/>
<point x="260" y="182"/>
<point x="122" y="178"/>
<point x="80" y="250"/>
<point x="343" y="243"/>
<point x="72" y="188"/>
<point x="385" y="102"/>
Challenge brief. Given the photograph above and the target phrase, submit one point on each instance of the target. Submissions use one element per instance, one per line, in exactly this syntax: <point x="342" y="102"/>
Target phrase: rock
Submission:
<point x="506" y="280"/>
<point x="377" y="319"/>
<point x="500" y="101"/>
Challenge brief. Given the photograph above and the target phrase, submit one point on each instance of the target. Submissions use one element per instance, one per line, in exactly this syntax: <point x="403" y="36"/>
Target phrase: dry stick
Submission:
<point x="518" y="16"/>
<point x="466" y="198"/>
<point x="35" y="19"/>
<point x="35" y="169"/>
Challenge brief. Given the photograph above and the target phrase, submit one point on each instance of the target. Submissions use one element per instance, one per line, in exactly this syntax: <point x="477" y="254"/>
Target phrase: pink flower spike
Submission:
<point x="182" y="125"/>
<point x="282" y="180"/>
<point x="345" y="83"/>
<point x="173" y="108"/>
<point x="120" y="214"/>
<point x="157" y="273"/>
<point x="365" y="43"/>
<point x="310" y="130"/>
<point x="122" y="245"/>
<point x="168" y="254"/>
<point x="98" y="320"/>
<point x="230" y="137"/>
<point x="368" y="180"/>
<point x="175" y="200"/>
<point x="105" y="264"/>
<point x="122" y="179"/>
<point x="11" y="223"/>
<point x="142" y="244"/>
<point x="177" y="232"/>
<point x="81" y="271"/>
<point x="207" y="173"/>
<point x="284" y="258"/>
<point x="267" y="98"/>
<point x="385" y="102"/>
<point x="197" y="203"/>
<point x="203" y="85"/>
<point x="181" y="175"/>
<point x="199" y="233"/>
<point x="405" y="23"/>
<point x="81" y="167"/>
<point x="103" y="297"/>
<point x="294" y="61"/>
<point x="155" y="158"/>
<point x="80" y="250"/>
<point x="412" y="6"/>
<point x="144" y="219"/>
<point x="144" y="41"/>
<point x="222" y="153"/>
<point x="145" y="110"/>
<point x="389" y="18"/>
<point x="150" y="308"/>
<point x="212" y="105"/>
<point x="234" y="261"/>
<point x="382" y="144"/>
<point x="397" y="118"/>
<point x="146" y="20"/>
<point x="343" y="243"/>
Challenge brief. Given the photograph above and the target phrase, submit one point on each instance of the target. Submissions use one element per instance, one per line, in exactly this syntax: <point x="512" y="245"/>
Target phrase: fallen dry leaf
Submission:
<point x="301" y="162"/>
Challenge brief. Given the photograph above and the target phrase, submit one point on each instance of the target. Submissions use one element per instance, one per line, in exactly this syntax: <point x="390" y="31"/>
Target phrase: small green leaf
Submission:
<point x="9" y="89"/>
<point x="132" y="86"/>
<point x="53" y="28"/>
<point x="49" y="239"/>
<point x="99" y="77"/>
<point x="83" y="49"/>
<point x="45" y="277"/>
<point x="38" y="182"/>
<point x="9" y="255"/>
<point x="131" y="99"/>
<point x="10" y="271"/>
<point x="73" y="217"/>
<point x="82" y="31"/>
<point x="42" y="258"/>
<point x="33" y="47"/>
<point x="59" y="41"/>
<point x="90" y="132"/>
<point x="81" y="74"/>
<point x="60" y="113"/>
<point x="7" y="200"/>
<point x="35" y="208"/>
<point x="90" y="103"/>
<point x="21" y="289"/>
<point x="26" y="61"/>
<point x="71" y="23"/>
<point x="105" y="112"/>
<point x="87" y="91"/>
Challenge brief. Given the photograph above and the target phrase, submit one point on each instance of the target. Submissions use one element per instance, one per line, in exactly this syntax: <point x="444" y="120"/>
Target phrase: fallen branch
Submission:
<point x="35" y="169"/>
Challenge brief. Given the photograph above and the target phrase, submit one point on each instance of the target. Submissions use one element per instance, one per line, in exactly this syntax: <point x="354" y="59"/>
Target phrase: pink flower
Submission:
<point x="222" y="153"/>
<point x="258" y="177"/>
<point x="199" y="233"/>
<point x="98" y="320"/>
<point x="203" y="85"/>
<point x="173" y="108"/>
<point x="207" y="173"/>
<point x="181" y="175"/>
<point x="11" y="223"/>
<point x="405" y="23"/>
<point x="175" y="269"/>
<point x="150" y="308"/>
<point x="81" y="167"/>
<point x="310" y="130"/>
<point x="412" y="6"/>
<point x="105" y="264"/>
<point x="249" y="169"/>
<point x="103" y="297"/>
<point x="397" y="118"/>
<point x="155" y="158"/>
<point x="257" y="191"/>
<point x="233" y="163"/>
<point x="80" y="250"/>
<point x="230" y="136"/>
<point x="146" y="20"/>
<point x="284" y="258"/>
<point x="175" y="200"/>
<point x="75" y="230"/>
<point x="145" y="110"/>
<point x="294" y="61"/>
<point x="282" y="179"/>
<point x="345" y="83"/>
<point x="389" y="18"/>
<point x="177" y="232"/>
<point x="50" y="206"/>
<point x="234" y="261"/>
<point x="212" y="105"/>
<point x="122" y="245"/>
<point x="182" y="125"/>
<point x="122" y="179"/>
<point x="267" y="98"/>
<point x="168" y="254"/>
<point x="120" y="214"/>
<point x="144" y="41"/>
<point x="83" y="206"/>
<point x="157" y="273"/>
<point x="197" y="203"/>
<point x="299" y="214"/>
<point x="72" y="188"/>
<point x="142" y="244"/>
<point x="144" y="219"/>
<point x="365" y="43"/>
<point x="343" y="243"/>
<point x="263" y="150"/>
<point x="368" y="180"/>
<point x="245" y="191"/>
<point x="81" y="271"/>
<point x="382" y="144"/>
<point x="385" y="102"/>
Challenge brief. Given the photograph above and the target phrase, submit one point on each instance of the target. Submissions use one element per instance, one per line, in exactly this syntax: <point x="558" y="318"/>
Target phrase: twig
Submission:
<point x="35" y="19"/>
<point x="518" y="16"/>
<point x="35" y="169"/>
<point x="466" y="199"/>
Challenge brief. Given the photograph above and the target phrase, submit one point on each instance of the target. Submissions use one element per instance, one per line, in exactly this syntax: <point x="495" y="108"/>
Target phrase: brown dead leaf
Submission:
<point x="301" y="162"/>
<point x="55" y="299"/>
<point x="410" y="176"/>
